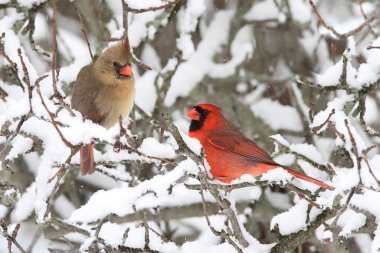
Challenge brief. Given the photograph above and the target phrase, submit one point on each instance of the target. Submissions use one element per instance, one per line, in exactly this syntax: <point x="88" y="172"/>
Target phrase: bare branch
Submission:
<point x="153" y="8"/>
<point x="82" y="28"/>
<point x="347" y="34"/>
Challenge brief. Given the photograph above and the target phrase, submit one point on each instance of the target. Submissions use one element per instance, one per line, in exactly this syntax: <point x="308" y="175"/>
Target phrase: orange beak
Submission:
<point x="193" y="114"/>
<point x="126" y="71"/>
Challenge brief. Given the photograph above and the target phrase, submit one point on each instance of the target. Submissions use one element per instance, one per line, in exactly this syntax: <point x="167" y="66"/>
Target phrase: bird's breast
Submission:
<point x="115" y="101"/>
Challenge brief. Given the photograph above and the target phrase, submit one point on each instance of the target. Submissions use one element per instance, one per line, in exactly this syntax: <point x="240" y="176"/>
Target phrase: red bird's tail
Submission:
<point x="309" y="179"/>
<point x="87" y="159"/>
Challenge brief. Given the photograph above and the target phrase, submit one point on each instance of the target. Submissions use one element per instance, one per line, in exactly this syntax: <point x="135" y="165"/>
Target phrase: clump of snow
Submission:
<point x="308" y="150"/>
<point x="119" y="201"/>
<point x="192" y="71"/>
<point x="366" y="74"/>
<point x="278" y="175"/>
<point x="20" y="145"/>
<point x="263" y="10"/>
<point x="280" y="139"/>
<point x="350" y="221"/>
<point x="187" y="23"/>
<point x="292" y="220"/>
<point x="331" y="75"/>
<point x="30" y="3"/>
<point x="146" y="94"/>
<point x="277" y="116"/>
<point x="25" y="205"/>
<point x="151" y="146"/>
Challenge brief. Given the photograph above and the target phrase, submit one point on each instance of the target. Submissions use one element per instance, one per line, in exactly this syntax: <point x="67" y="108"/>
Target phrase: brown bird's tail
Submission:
<point x="309" y="179"/>
<point x="87" y="159"/>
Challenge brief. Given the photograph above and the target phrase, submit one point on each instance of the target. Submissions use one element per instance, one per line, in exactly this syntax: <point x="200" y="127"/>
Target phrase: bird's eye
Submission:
<point x="115" y="64"/>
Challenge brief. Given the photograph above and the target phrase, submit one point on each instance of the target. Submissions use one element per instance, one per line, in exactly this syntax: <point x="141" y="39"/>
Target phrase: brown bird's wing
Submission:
<point x="231" y="140"/>
<point x="86" y="90"/>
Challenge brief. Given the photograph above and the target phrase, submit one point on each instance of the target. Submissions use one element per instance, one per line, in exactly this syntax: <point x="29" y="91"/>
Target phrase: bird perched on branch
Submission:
<point x="230" y="154"/>
<point x="104" y="91"/>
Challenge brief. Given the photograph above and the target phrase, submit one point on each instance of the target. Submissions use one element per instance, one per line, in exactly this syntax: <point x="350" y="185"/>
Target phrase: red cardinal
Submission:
<point x="229" y="154"/>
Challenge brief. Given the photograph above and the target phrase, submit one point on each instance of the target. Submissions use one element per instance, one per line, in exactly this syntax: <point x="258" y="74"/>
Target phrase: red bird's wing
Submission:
<point x="231" y="140"/>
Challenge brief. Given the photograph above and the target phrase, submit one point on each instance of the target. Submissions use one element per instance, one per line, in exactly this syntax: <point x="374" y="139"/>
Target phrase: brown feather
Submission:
<point x="102" y="96"/>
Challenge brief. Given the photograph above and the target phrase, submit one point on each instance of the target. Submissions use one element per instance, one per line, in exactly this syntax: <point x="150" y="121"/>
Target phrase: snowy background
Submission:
<point x="299" y="77"/>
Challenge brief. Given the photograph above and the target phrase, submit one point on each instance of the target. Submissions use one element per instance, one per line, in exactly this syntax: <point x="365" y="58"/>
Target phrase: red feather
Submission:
<point x="230" y="154"/>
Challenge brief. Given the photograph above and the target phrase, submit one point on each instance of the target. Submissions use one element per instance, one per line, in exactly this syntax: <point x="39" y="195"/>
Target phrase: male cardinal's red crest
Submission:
<point x="230" y="154"/>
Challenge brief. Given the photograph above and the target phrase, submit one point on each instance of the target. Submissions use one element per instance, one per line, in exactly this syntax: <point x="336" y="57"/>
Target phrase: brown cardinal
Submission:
<point x="103" y="91"/>
<point x="229" y="154"/>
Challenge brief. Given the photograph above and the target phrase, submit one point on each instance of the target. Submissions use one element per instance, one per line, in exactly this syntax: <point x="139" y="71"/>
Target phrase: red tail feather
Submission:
<point x="87" y="159"/>
<point x="309" y="179"/>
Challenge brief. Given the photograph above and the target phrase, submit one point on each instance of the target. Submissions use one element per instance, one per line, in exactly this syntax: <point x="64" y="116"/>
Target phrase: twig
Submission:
<point x="373" y="47"/>
<point x="221" y="233"/>
<point x="347" y="34"/>
<point x="54" y="123"/>
<point x="169" y="126"/>
<point x="26" y="80"/>
<point x="11" y="238"/>
<point x="13" y="65"/>
<point x="58" y="175"/>
<point x="317" y="128"/>
<point x="82" y="28"/>
<point x="35" y="239"/>
<point x="226" y="207"/>
<point x="135" y="60"/>
<point x="364" y="157"/>
<point x="374" y="33"/>
<point x="146" y="235"/>
<point x="124" y="132"/>
<point x="152" y="8"/>
<point x="54" y="49"/>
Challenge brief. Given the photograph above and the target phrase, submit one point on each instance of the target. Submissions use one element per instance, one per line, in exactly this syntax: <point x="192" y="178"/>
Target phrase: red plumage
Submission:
<point x="230" y="154"/>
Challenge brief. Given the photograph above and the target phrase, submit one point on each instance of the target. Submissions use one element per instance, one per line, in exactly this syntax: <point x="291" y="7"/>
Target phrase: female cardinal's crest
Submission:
<point x="126" y="43"/>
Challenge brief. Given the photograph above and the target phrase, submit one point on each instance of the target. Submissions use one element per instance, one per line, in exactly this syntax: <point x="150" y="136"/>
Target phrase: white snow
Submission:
<point x="292" y="220"/>
<point x="350" y="221"/>
<point x="146" y="94"/>
<point x="277" y="116"/>
<point x="189" y="73"/>
<point x="151" y="146"/>
<point x="20" y="145"/>
<point x="279" y="176"/>
<point x="197" y="60"/>
<point x="262" y="11"/>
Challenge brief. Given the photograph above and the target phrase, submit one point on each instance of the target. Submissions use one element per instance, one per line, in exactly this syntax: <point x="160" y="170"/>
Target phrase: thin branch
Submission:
<point x="373" y="47"/>
<point x="53" y="122"/>
<point x="54" y="49"/>
<point x="26" y="80"/>
<point x="125" y="38"/>
<point x="370" y="28"/>
<point x="58" y="175"/>
<point x="221" y="233"/>
<point x="316" y="129"/>
<point x="82" y="28"/>
<point x="11" y="238"/>
<point x="227" y="210"/>
<point x="152" y="8"/>
<point x="347" y="34"/>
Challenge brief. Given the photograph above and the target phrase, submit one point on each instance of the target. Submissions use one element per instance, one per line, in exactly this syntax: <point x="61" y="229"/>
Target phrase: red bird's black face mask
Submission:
<point x="198" y="116"/>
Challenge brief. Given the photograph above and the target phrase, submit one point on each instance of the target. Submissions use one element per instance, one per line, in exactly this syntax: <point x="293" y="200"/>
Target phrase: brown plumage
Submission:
<point x="103" y="91"/>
